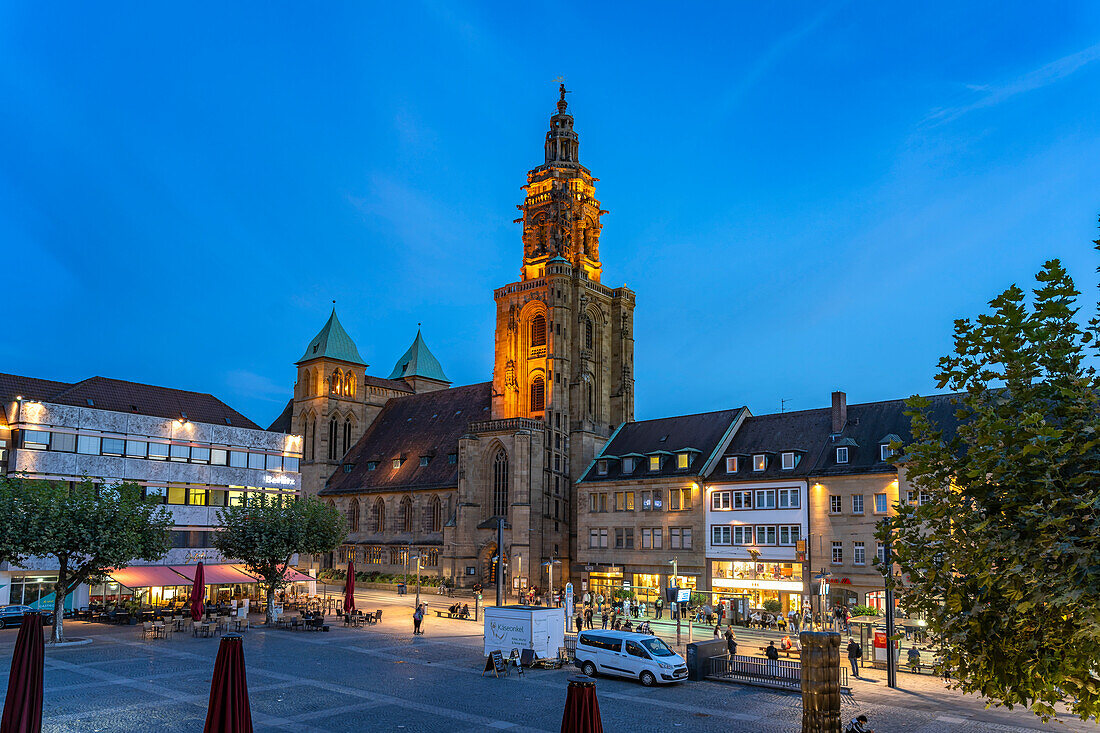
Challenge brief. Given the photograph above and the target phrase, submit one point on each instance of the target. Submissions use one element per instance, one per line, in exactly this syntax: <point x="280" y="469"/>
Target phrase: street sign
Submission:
<point x="568" y="602"/>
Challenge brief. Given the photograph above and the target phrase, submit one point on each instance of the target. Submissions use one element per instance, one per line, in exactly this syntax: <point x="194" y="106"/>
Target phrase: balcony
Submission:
<point x="508" y="424"/>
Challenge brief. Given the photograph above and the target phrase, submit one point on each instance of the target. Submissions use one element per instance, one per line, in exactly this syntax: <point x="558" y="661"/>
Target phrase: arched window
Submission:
<point x="500" y="484"/>
<point x="538" y="394"/>
<point x="538" y="331"/>
<point x="353" y="515"/>
<point x="305" y="382"/>
<point x="347" y="434"/>
<point x="378" y="516"/>
<point x="588" y="332"/>
<point x="589" y="393"/>
<point x="335" y="382"/>
<point x="312" y="439"/>
<point x="436" y="507"/>
<point x="332" y="439"/>
<point x="349" y="384"/>
<point x="405" y="515"/>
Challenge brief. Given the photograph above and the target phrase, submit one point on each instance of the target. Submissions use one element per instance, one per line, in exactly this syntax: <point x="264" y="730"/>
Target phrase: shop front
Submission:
<point x="759" y="582"/>
<point x="604" y="579"/>
<point x="32" y="589"/>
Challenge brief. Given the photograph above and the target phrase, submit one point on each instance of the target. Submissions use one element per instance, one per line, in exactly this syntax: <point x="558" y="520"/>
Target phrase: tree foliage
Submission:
<point x="265" y="533"/>
<point x="88" y="528"/>
<point x="1004" y="560"/>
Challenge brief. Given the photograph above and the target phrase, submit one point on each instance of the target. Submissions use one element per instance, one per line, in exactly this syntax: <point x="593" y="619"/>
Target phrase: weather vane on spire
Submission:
<point x="563" y="91"/>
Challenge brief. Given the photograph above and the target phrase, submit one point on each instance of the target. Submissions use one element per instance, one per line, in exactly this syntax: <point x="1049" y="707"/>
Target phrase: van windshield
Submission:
<point x="657" y="647"/>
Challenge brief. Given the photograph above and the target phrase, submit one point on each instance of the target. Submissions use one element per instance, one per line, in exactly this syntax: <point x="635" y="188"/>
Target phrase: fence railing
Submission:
<point x="571" y="646"/>
<point x="782" y="673"/>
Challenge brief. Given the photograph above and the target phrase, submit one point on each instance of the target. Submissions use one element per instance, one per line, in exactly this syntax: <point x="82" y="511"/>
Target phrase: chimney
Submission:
<point x="840" y="411"/>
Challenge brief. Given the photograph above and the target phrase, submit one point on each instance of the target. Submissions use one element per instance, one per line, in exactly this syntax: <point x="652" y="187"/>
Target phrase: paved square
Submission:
<point x="385" y="679"/>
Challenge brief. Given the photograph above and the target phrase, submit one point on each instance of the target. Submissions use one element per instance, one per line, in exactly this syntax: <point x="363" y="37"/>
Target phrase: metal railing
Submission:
<point x="782" y="673"/>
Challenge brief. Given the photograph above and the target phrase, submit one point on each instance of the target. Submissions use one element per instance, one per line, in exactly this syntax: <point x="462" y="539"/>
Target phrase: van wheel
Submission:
<point x="648" y="679"/>
<point x="589" y="669"/>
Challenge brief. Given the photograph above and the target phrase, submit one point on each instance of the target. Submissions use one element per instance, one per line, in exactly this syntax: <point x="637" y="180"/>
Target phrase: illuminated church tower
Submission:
<point x="564" y="342"/>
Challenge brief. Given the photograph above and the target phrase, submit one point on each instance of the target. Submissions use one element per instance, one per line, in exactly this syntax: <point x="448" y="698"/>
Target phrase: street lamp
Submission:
<point x="676" y="608"/>
<point x="549" y="565"/>
<point x="417" y="558"/>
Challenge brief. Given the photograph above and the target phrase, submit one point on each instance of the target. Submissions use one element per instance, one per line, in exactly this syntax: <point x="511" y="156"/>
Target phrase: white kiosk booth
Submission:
<point x="524" y="627"/>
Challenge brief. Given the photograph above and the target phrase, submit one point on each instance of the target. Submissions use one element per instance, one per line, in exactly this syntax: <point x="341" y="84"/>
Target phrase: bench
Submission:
<point x="448" y="614"/>
<point x="788" y="653"/>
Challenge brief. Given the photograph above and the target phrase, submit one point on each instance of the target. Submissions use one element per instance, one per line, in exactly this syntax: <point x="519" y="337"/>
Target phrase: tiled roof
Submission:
<point x="408" y="428"/>
<point x="418" y="361"/>
<point x="699" y="434"/>
<point x="282" y="423"/>
<point x="394" y="384"/>
<point x="117" y="395"/>
<point x="801" y="433"/>
<point x="332" y="342"/>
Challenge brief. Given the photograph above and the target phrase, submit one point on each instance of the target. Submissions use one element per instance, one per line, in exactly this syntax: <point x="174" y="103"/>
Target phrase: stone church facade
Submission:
<point x="423" y="468"/>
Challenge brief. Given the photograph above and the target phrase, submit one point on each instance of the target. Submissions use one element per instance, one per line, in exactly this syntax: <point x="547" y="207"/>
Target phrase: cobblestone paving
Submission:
<point x="385" y="679"/>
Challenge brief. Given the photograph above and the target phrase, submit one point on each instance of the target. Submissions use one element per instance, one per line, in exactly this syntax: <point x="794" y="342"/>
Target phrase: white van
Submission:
<point x="626" y="654"/>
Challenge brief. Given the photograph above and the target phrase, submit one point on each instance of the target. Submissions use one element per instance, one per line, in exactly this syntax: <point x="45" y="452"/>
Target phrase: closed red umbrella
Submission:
<point x="582" y="709"/>
<point x="228" y="710"/>
<point x="349" y="589"/>
<point x="198" y="594"/>
<point x="23" y="704"/>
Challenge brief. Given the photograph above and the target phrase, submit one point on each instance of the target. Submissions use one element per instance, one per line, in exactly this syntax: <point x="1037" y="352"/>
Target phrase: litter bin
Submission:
<point x="698" y="654"/>
<point x="402" y="589"/>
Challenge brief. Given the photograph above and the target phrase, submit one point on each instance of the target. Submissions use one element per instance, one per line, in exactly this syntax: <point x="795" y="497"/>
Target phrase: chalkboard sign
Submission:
<point x="527" y="657"/>
<point x="495" y="663"/>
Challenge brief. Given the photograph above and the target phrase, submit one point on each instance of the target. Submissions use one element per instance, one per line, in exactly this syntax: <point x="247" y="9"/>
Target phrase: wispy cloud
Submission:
<point x="990" y="95"/>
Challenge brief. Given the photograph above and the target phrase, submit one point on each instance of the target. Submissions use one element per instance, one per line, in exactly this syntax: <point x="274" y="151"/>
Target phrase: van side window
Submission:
<point x="609" y="643"/>
<point x="635" y="650"/>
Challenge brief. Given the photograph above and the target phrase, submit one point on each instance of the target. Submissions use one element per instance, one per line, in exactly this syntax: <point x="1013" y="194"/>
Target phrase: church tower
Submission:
<point x="564" y="346"/>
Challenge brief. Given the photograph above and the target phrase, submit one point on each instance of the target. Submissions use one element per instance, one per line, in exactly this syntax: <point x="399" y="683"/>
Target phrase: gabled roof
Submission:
<point x="697" y="435"/>
<point x="282" y="423"/>
<point x="418" y="361"/>
<point x="801" y="432"/>
<point x="332" y="342"/>
<point x="117" y="395"/>
<point x="427" y="424"/>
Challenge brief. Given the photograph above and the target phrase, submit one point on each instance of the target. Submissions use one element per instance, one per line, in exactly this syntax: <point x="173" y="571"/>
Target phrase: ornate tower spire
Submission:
<point x="561" y="216"/>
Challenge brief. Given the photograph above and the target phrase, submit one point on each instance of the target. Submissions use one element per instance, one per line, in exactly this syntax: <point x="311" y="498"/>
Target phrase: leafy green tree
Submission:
<point x="87" y="528"/>
<point x="1003" y="560"/>
<point x="265" y="533"/>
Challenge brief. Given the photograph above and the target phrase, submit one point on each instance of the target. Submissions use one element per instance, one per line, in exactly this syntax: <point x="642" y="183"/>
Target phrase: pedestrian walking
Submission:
<point x="603" y="619"/>
<point x="731" y="641"/>
<point x="579" y="621"/>
<point x="418" y="618"/>
<point x="659" y="605"/>
<point x="854" y="653"/>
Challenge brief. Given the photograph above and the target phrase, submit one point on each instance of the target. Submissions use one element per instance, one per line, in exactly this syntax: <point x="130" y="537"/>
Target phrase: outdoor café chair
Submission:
<point x="147" y="630"/>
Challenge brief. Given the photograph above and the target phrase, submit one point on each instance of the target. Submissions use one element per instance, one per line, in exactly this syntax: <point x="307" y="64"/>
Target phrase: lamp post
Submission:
<point x="888" y="575"/>
<point x="550" y="570"/>
<point x="417" y="558"/>
<point x="676" y="607"/>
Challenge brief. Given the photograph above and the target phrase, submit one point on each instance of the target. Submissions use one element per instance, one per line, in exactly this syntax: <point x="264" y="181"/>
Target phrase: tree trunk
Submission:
<point x="271" y="604"/>
<point x="60" y="590"/>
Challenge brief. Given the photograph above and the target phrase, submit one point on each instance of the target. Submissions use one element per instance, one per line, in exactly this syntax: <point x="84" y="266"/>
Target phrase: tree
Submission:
<point x="1003" y="558"/>
<point x="88" y="528"/>
<point x="265" y="533"/>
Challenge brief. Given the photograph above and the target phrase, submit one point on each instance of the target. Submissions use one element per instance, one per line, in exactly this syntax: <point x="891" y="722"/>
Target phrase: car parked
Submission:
<point x="13" y="615"/>
<point x="626" y="654"/>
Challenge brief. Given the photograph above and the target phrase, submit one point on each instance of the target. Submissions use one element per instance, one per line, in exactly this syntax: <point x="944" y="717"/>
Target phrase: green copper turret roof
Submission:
<point x="332" y="342"/>
<point x="418" y="361"/>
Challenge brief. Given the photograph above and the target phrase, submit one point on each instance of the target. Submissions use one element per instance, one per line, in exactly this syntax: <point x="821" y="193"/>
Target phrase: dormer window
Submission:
<point x="731" y="464"/>
<point x="886" y="452"/>
<point x="371" y="465"/>
<point x="628" y="465"/>
<point x="601" y="467"/>
<point x="683" y="460"/>
<point x="654" y="463"/>
<point x="452" y="458"/>
<point x="759" y="462"/>
<point x="788" y="461"/>
<point x="397" y="462"/>
<point x="842" y="454"/>
<point x="348" y="466"/>
<point x="424" y="460"/>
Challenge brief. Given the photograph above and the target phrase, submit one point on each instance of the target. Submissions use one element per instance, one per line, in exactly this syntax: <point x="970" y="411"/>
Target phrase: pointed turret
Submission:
<point x="332" y="342"/>
<point x="419" y="367"/>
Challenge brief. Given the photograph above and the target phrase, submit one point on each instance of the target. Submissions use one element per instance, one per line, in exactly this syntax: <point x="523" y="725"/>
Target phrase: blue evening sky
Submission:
<point x="803" y="195"/>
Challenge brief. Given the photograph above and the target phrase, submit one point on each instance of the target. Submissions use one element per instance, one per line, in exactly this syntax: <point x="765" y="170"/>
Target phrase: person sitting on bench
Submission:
<point x="465" y="612"/>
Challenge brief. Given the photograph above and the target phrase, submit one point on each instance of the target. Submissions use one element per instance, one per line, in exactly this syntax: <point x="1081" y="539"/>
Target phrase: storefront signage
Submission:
<point x="204" y="555"/>
<point x="607" y="569"/>
<point x="786" y="585"/>
<point x="278" y="479"/>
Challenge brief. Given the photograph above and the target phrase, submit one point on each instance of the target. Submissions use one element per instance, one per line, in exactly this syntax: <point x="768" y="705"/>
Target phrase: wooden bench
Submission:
<point x="448" y="614"/>
<point x="788" y="653"/>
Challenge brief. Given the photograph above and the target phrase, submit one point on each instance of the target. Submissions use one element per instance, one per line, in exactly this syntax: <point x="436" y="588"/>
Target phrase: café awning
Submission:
<point x="290" y="575"/>
<point x="147" y="576"/>
<point x="215" y="574"/>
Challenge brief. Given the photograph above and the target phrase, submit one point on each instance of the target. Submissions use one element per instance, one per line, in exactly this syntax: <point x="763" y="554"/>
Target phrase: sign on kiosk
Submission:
<point x="525" y="627"/>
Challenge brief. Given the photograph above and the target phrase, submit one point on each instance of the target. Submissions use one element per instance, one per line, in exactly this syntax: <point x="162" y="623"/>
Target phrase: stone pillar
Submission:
<point x="820" y="681"/>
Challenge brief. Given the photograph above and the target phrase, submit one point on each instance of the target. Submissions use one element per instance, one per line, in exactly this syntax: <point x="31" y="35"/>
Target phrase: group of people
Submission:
<point x="459" y="610"/>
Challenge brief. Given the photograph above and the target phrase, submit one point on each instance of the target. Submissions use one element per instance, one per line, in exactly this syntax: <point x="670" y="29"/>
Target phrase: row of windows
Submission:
<point x="374" y="555"/>
<point x="859" y="553"/>
<point x="789" y="460"/>
<point x="651" y="500"/>
<point x="191" y="538"/>
<point x="747" y="534"/>
<point x="431" y="516"/>
<point x="679" y="538"/>
<point x="629" y="463"/>
<point x="94" y="445"/>
<point x="452" y="458"/>
<point x="882" y="502"/>
<point x="759" y="499"/>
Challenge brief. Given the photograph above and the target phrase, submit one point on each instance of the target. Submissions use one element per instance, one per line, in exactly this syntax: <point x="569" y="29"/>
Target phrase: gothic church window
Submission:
<point x="332" y="439"/>
<point x="500" y="484"/>
<point x="538" y="394"/>
<point x="347" y="435"/>
<point x="349" y="384"/>
<point x="353" y="516"/>
<point x="538" y="331"/>
<point x="312" y="440"/>
<point x="378" y="516"/>
<point x="588" y="332"/>
<point x="405" y="515"/>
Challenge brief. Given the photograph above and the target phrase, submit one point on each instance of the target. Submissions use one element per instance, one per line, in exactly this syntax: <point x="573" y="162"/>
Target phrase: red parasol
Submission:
<point x="228" y="710"/>
<point x="198" y="594"/>
<point x="582" y="709"/>
<point x="23" y="705"/>
<point x="349" y="589"/>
